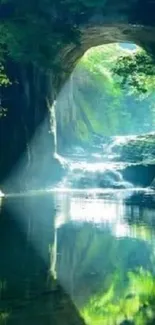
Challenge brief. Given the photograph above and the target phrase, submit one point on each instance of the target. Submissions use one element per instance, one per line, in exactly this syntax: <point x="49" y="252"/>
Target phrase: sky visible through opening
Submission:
<point x="128" y="46"/>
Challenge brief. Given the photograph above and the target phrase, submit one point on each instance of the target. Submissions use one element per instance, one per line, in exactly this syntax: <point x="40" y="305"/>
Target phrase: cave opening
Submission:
<point x="92" y="234"/>
<point x="108" y="94"/>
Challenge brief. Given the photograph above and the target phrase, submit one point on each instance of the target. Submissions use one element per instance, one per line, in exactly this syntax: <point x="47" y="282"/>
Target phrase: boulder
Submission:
<point x="139" y="174"/>
<point x="101" y="179"/>
<point x="135" y="149"/>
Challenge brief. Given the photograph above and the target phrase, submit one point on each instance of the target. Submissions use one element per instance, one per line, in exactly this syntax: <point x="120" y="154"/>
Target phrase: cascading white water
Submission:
<point x="97" y="169"/>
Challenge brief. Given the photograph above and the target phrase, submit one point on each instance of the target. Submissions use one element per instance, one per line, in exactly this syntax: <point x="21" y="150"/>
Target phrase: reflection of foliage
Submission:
<point x="135" y="302"/>
<point x="3" y="318"/>
<point x="4" y="80"/>
<point x="3" y="111"/>
<point x="3" y="315"/>
<point x="142" y="231"/>
<point x="97" y="268"/>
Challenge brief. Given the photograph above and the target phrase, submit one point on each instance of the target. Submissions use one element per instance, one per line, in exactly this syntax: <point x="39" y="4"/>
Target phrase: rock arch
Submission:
<point x="116" y="21"/>
<point x="109" y="21"/>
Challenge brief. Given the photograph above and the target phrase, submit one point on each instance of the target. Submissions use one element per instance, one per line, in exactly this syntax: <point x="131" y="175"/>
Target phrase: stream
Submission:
<point x="79" y="253"/>
<point x="96" y="167"/>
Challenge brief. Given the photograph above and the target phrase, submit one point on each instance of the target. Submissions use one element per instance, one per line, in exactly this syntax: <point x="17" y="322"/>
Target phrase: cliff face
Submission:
<point x="27" y="132"/>
<point x="29" y="100"/>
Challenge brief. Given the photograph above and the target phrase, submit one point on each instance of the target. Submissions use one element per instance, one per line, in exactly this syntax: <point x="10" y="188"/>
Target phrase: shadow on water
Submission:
<point x="77" y="258"/>
<point x="29" y="294"/>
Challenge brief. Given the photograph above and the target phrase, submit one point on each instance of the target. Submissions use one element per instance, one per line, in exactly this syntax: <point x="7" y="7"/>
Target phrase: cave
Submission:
<point x="30" y="100"/>
<point x="28" y="139"/>
<point x="95" y="102"/>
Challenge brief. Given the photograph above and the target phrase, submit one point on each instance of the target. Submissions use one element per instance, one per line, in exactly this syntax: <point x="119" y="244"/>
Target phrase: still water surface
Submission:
<point x="99" y="248"/>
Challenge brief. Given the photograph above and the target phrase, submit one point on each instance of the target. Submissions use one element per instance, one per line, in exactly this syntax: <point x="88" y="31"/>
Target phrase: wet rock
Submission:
<point x="139" y="174"/>
<point x="46" y="174"/>
<point x="142" y="199"/>
<point x="117" y="185"/>
<point x="135" y="148"/>
<point x="100" y="179"/>
<point x="112" y="179"/>
<point x="153" y="184"/>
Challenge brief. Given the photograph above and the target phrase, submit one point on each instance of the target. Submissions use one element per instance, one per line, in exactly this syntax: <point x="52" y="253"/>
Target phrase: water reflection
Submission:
<point x="107" y="210"/>
<point x="106" y="257"/>
<point x="29" y="293"/>
<point x="95" y="249"/>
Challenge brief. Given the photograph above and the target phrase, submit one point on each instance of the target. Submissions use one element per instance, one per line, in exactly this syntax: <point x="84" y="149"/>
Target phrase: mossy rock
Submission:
<point x="139" y="174"/>
<point x="136" y="149"/>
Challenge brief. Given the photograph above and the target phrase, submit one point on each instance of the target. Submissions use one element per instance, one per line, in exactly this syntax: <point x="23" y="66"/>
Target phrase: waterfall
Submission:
<point x="96" y="169"/>
<point x="53" y="128"/>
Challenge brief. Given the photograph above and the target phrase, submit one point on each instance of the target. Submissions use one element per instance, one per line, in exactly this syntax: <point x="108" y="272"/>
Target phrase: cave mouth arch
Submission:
<point x="101" y="30"/>
<point x="92" y="102"/>
<point x="103" y="22"/>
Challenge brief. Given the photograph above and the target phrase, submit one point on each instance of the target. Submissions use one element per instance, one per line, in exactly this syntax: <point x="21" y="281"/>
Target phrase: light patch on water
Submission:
<point x="98" y="212"/>
<point x="121" y="193"/>
<point x="107" y="210"/>
<point x="122" y="230"/>
<point x="1" y="194"/>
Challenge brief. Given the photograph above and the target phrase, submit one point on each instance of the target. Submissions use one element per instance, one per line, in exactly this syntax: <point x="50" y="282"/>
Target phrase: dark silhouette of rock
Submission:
<point x="97" y="179"/>
<point x="139" y="174"/>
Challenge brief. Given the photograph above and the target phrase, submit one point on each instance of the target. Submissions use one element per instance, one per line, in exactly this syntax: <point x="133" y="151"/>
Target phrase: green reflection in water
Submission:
<point x="4" y="315"/>
<point x="3" y="318"/>
<point x="134" y="302"/>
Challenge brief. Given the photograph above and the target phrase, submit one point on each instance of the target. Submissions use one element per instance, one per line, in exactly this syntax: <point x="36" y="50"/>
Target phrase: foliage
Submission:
<point x="34" y="31"/>
<point x="136" y="71"/>
<point x="94" y="96"/>
<point x="4" y="80"/>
